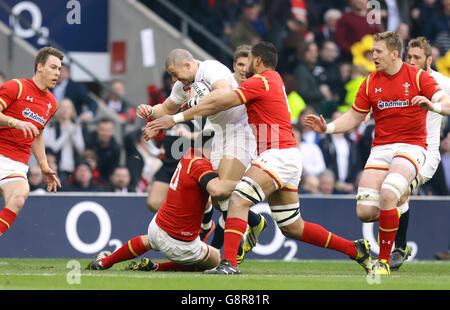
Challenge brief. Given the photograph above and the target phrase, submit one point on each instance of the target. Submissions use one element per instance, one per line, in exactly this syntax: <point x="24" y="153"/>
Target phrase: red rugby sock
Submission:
<point x="234" y="231"/>
<point x="7" y="217"/>
<point x="389" y="220"/>
<point x="133" y="248"/>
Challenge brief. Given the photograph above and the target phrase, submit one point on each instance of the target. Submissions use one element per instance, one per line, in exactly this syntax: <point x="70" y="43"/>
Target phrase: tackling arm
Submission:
<point x="344" y="123"/>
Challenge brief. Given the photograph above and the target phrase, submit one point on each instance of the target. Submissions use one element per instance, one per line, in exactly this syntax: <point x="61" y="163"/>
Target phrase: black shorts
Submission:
<point x="164" y="174"/>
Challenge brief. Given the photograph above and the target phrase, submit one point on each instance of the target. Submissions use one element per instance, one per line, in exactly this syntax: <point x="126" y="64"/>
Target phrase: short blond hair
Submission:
<point x="422" y="43"/>
<point x="392" y="40"/>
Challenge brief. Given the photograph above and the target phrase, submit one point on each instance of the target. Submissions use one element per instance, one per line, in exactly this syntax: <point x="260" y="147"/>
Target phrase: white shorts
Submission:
<point x="430" y="166"/>
<point x="12" y="170"/>
<point x="283" y="165"/>
<point x="177" y="251"/>
<point x="381" y="156"/>
<point x="235" y="140"/>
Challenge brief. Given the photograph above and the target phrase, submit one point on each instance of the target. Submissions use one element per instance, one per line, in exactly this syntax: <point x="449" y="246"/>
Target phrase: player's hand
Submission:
<point x="423" y="103"/>
<point x="28" y="129"/>
<point x="148" y="133"/>
<point x="144" y="111"/>
<point x="318" y="124"/>
<point x="51" y="179"/>
<point x="184" y="106"/>
<point x="162" y="123"/>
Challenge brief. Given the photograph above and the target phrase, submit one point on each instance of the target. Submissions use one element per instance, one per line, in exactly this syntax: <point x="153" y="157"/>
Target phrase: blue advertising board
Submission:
<point x="78" y="226"/>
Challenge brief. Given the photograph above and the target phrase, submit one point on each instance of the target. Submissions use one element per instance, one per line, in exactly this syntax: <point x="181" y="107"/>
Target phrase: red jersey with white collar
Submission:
<point x="23" y="100"/>
<point x="267" y="106"/>
<point x="182" y="212"/>
<point x="389" y="96"/>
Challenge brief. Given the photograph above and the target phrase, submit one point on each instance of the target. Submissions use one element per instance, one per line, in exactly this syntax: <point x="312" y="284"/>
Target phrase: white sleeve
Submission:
<point x="178" y="94"/>
<point x="216" y="71"/>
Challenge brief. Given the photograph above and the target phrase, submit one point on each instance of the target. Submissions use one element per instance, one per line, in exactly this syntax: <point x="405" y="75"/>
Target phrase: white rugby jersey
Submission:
<point x="211" y="71"/>
<point x="434" y="119"/>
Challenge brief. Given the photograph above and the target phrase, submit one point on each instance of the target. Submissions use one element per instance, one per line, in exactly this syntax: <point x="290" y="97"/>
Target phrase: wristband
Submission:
<point x="437" y="107"/>
<point x="12" y="122"/>
<point x="178" y="118"/>
<point x="330" y="128"/>
<point x="43" y="164"/>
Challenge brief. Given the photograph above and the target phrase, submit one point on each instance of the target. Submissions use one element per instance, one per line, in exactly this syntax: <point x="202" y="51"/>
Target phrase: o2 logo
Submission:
<point x="104" y="236"/>
<point x="278" y="241"/>
<point x="73" y="17"/>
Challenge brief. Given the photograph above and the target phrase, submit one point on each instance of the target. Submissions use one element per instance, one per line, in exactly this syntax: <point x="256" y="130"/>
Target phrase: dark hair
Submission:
<point x="268" y="53"/>
<point x="43" y="53"/>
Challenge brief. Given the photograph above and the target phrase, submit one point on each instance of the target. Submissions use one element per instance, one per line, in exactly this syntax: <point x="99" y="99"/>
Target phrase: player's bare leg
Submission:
<point x="14" y="194"/>
<point x="400" y="175"/>
<point x="157" y="195"/>
<point x="298" y="229"/>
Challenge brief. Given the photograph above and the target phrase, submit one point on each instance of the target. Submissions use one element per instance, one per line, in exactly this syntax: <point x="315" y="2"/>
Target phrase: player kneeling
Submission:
<point x="175" y="229"/>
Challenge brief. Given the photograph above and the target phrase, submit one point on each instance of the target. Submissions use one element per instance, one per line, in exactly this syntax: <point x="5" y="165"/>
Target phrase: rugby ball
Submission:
<point x="201" y="88"/>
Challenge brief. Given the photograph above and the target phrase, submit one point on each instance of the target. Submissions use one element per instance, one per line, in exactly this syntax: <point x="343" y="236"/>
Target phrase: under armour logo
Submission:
<point x="383" y="241"/>
<point x="378" y="90"/>
<point x="30" y="98"/>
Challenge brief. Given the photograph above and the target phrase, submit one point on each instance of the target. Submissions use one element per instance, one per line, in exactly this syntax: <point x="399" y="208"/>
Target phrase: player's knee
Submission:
<point x="393" y="188"/>
<point x="366" y="213"/>
<point x="293" y="230"/>
<point x="16" y="202"/>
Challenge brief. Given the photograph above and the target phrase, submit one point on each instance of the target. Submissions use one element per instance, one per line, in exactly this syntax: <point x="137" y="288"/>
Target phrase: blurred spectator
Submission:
<point x="352" y="26"/>
<point x="81" y="179"/>
<point x="435" y="54"/>
<point x="341" y="156"/>
<point x="309" y="184"/>
<point x="307" y="134"/>
<point x="141" y="159"/>
<point x="91" y="157"/>
<point x="327" y="183"/>
<point x="65" y="138"/>
<point x="115" y="103"/>
<point x="103" y="143"/>
<point x="357" y="76"/>
<point x="75" y="91"/>
<point x="308" y="86"/>
<point x="328" y="30"/>
<point x="251" y="26"/>
<point x="435" y="23"/>
<point x="445" y="157"/>
<point x="296" y="102"/>
<point x="2" y="78"/>
<point x="394" y="13"/>
<point x="51" y="159"/>
<point x="120" y="181"/>
<point x="312" y="157"/>
<point x="35" y="180"/>
<point x="157" y="95"/>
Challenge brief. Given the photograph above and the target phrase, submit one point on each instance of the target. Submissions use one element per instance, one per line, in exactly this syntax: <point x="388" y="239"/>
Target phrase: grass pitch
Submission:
<point x="64" y="274"/>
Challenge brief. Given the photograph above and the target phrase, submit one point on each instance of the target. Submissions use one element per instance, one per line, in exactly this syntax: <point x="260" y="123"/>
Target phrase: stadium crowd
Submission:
<point x="317" y="65"/>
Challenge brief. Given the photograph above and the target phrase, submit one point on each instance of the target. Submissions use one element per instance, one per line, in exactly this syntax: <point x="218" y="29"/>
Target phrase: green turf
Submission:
<point x="50" y="274"/>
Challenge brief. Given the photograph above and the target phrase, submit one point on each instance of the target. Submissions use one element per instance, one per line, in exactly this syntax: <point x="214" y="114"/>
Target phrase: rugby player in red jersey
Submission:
<point x="175" y="229"/>
<point x="26" y="107"/>
<point x="276" y="172"/>
<point x="399" y="96"/>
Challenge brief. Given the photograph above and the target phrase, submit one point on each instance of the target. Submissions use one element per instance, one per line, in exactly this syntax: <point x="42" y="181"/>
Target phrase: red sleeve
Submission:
<point x="199" y="167"/>
<point x="362" y="103"/>
<point x="427" y="84"/>
<point x="251" y="89"/>
<point x="8" y="93"/>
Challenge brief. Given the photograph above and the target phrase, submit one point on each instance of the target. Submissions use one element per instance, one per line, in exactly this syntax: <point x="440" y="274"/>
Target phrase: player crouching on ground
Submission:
<point x="175" y="229"/>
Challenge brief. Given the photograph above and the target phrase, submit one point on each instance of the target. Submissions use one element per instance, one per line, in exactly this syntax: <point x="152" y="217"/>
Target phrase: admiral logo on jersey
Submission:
<point x="34" y="116"/>
<point x="392" y="104"/>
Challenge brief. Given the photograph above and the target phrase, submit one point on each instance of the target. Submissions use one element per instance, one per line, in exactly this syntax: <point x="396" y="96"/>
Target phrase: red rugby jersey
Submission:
<point x="268" y="112"/>
<point x="389" y="96"/>
<point x="23" y="100"/>
<point x="182" y="212"/>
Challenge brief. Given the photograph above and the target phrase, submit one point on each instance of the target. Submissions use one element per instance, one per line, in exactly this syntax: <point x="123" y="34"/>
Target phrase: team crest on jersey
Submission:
<point x="34" y="116"/>
<point x="406" y="86"/>
<point x="392" y="104"/>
